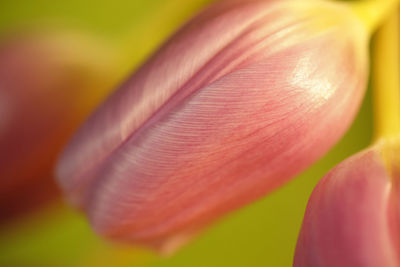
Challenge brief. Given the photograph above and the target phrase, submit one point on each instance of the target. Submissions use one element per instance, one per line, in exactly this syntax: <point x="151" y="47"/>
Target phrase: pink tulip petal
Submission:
<point x="352" y="218"/>
<point x="240" y="100"/>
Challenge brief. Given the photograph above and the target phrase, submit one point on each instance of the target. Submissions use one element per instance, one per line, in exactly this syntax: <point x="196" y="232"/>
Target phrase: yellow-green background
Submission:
<point x="262" y="234"/>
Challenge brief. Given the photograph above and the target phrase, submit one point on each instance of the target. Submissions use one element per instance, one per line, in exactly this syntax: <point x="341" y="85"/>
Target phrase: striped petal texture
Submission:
<point x="240" y="100"/>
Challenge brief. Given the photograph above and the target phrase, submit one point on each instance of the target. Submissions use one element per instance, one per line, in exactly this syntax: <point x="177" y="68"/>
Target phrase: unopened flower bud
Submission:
<point x="241" y="99"/>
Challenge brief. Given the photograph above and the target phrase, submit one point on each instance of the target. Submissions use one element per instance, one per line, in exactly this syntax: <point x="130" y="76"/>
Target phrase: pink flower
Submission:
<point x="352" y="217"/>
<point x="240" y="100"/>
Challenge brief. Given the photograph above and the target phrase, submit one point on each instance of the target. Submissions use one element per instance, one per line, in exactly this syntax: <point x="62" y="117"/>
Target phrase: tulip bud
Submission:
<point x="48" y="83"/>
<point x="352" y="217"/>
<point x="241" y="99"/>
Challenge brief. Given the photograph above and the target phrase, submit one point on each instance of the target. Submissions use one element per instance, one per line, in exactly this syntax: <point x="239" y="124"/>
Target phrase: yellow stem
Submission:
<point x="386" y="92"/>
<point x="386" y="80"/>
<point x="372" y="12"/>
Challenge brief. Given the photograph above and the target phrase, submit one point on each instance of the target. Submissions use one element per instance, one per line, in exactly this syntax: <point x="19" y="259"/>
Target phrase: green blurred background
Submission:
<point x="262" y="234"/>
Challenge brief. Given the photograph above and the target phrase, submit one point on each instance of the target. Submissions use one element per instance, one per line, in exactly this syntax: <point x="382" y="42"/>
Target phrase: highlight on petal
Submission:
<point x="352" y="217"/>
<point x="241" y="99"/>
<point x="48" y="84"/>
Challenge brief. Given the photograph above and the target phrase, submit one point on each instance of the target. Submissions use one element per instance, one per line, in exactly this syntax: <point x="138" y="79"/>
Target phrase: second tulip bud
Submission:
<point x="352" y="217"/>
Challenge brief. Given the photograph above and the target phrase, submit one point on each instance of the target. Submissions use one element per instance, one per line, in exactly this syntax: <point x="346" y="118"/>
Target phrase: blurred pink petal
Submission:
<point x="352" y="218"/>
<point x="241" y="99"/>
<point x="45" y="80"/>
